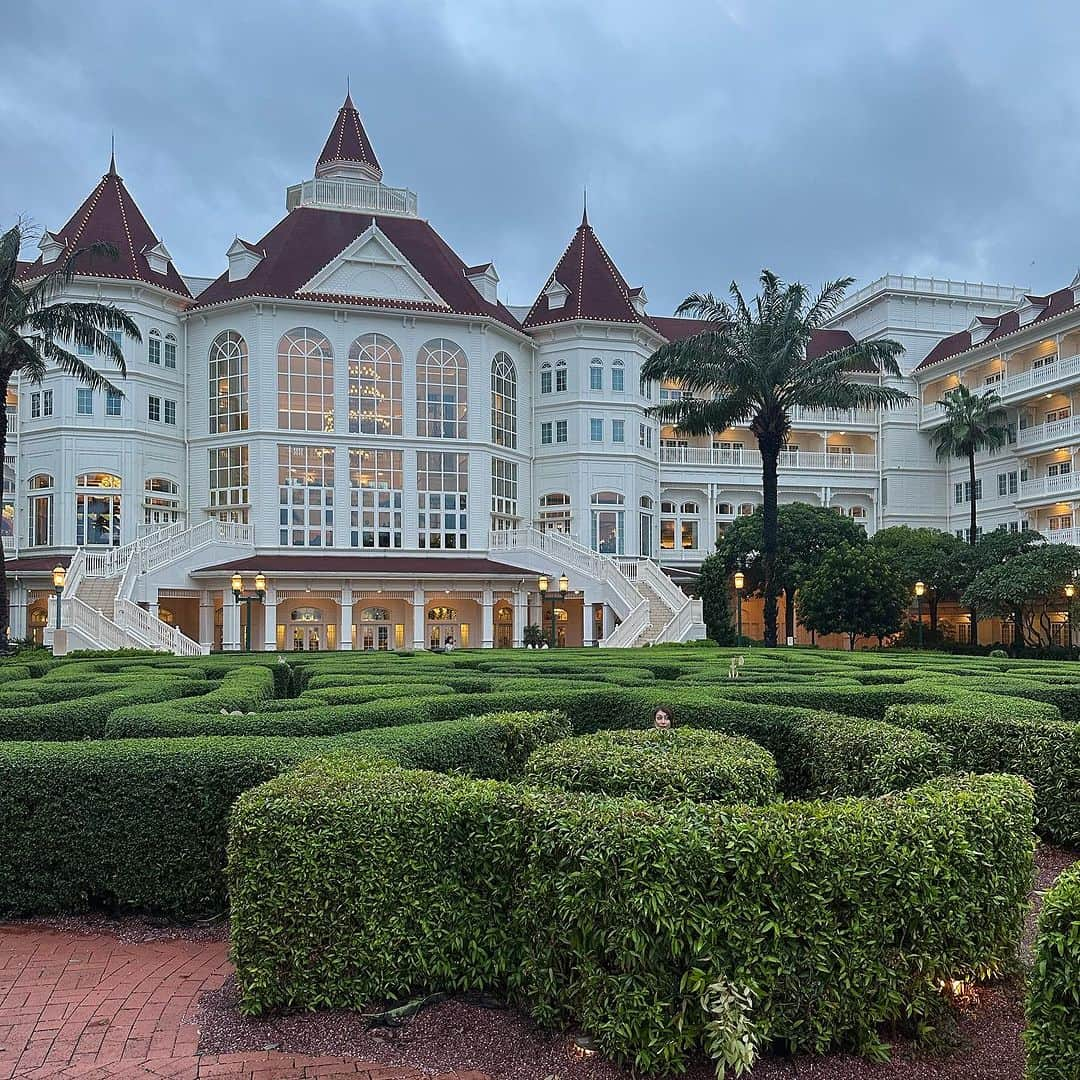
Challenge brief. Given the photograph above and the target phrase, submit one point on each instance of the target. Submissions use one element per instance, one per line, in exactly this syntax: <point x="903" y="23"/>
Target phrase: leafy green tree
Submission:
<point x="995" y="548"/>
<point x="941" y="561"/>
<point x="36" y="328"/>
<point x="804" y="534"/>
<point x="973" y="422"/>
<point x="754" y="364"/>
<point x="853" y="591"/>
<point x="1025" y="587"/>
<point x="713" y="586"/>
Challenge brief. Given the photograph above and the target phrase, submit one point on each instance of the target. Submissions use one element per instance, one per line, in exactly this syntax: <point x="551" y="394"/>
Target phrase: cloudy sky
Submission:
<point x="816" y="137"/>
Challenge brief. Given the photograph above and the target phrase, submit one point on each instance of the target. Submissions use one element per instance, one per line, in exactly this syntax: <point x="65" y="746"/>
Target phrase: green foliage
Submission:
<point x="853" y="591"/>
<point x="352" y="884"/>
<point x="1053" y="1006"/>
<point x="662" y="765"/>
<point x="714" y="587"/>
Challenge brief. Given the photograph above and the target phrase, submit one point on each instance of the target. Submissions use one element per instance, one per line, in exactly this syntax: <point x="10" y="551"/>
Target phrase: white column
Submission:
<point x="487" y="620"/>
<point x="418" y="619"/>
<point x="345" y="631"/>
<point x="587" y="620"/>
<point x="206" y="618"/>
<point x="270" y="620"/>
<point x="17" y="619"/>
<point x="230" y="624"/>
<point x="521" y="613"/>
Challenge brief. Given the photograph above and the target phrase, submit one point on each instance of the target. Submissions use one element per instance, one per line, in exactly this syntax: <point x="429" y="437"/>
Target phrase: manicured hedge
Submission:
<point x="815" y="922"/>
<point x="705" y="766"/>
<point x="1053" y="1007"/>
<point x="141" y="824"/>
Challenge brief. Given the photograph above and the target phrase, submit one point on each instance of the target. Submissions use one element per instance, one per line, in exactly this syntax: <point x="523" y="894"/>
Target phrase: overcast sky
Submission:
<point x="815" y="138"/>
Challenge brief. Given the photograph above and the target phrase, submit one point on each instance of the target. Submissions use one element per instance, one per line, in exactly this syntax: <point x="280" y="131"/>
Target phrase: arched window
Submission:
<point x="725" y="509"/>
<point x="555" y="512"/>
<point x="608" y="522"/>
<point x="374" y="386"/>
<point x="667" y="506"/>
<point x="161" y="501"/>
<point x="97" y="509"/>
<point x="170" y="350"/>
<point x="688" y="508"/>
<point x="618" y="382"/>
<point x="305" y="381"/>
<point x="503" y="401"/>
<point x="646" y="502"/>
<point x="645" y="527"/>
<point x="679" y="525"/>
<point x="153" y="347"/>
<point x="545" y="378"/>
<point x="596" y="373"/>
<point x="41" y="511"/>
<point x="442" y="390"/>
<point x="560" y="375"/>
<point x="746" y="509"/>
<point x="228" y="383"/>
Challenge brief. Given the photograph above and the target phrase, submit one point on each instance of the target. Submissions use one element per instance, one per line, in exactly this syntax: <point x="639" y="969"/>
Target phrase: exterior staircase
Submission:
<point x="99" y="593"/>
<point x="659" y="615"/>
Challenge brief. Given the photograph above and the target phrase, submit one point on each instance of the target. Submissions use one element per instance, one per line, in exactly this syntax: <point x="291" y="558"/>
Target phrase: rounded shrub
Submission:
<point x="705" y="766"/>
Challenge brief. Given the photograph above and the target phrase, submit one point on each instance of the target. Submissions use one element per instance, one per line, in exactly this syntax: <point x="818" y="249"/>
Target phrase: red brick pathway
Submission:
<point x="94" y="1007"/>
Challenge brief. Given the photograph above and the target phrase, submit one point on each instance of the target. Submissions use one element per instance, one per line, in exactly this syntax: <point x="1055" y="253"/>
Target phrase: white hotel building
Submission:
<point x="350" y="410"/>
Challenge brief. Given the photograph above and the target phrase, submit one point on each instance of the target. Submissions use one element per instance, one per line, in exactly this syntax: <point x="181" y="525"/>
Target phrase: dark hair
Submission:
<point x="665" y="709"/>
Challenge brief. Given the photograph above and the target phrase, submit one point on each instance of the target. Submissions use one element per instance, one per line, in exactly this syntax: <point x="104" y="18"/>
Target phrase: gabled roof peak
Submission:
<point x="348" y="150"/>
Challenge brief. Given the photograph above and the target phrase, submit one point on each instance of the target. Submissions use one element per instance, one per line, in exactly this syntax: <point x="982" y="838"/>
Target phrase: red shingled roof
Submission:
<point x="365" y="564"/>
<point x="348" y="143"/>
<point x="109" y="215"/>
<point x="597" y="289"/>
<point x="307" y="240"/>
<point x="1008" y="323"/>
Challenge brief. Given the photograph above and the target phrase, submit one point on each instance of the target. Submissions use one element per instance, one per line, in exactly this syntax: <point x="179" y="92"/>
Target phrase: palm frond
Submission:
<point x="697" y="417"/>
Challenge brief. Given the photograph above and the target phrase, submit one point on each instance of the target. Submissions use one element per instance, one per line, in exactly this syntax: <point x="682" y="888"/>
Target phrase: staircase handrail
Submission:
<point x="156" y="632"/>
<point x="95" y="626"/>
<point x="629" y="630"/>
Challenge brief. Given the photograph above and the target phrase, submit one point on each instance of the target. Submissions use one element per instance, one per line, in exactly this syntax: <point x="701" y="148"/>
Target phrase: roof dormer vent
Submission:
<point x="243" y="258"/>
<point x="485" y="280"/>
<point x="557" y="295"/>
<point x="50" y="246"/>
<point x="158" y="257"/>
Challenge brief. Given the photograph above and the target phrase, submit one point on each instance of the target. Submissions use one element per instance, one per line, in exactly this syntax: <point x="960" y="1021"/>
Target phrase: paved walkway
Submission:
<point x="94" y="1007"/>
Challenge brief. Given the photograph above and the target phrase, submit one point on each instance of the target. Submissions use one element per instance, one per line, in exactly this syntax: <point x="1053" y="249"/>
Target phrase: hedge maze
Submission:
<point x="810" y="855"/>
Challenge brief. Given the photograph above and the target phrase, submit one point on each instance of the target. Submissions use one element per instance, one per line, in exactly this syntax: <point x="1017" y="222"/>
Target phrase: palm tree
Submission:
<point x="34" y="320"/>
<point x="973" y="422"/>
<point x="751" y="365"/>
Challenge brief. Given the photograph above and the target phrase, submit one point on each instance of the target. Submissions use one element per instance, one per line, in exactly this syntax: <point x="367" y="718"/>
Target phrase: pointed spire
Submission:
<point x="348" y="151"/>
<point x="585" y="208"/>
<point x="112" y="155"/>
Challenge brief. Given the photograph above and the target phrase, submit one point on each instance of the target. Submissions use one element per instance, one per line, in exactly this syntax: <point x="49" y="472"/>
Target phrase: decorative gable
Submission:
<point x="1075" y="286"/>
<point x="639" y="299"/>
<point x="50" y="246"/>
<point x="157" y="257"/>
<point x="485" y="280"/>
<point x="1030" y="309"/>
<point x="372" y="266"/>
<point x="980" y="329"/>
<point x="243" y="258"/>
<point x="557" y="295"/>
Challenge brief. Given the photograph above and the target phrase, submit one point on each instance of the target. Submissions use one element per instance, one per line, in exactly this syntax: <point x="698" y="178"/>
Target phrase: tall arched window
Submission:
<point x="305" y="381"/>
<point x="442" y="390"/>
<point x="161" y="502"/>
<point x="545" y="378"/>
<point x="608" y="521"/>
<point x="228" y="383"/>
<point x="596" y="373"/>
<point x="153" y="347"/>
<point x="374" y="386"/>
<point x="618" y="372"/>
<point x="503" y="401"/>
<point x="97" y="509"/>
<point x="645" y="526"/>
<point x="41" y="511"/>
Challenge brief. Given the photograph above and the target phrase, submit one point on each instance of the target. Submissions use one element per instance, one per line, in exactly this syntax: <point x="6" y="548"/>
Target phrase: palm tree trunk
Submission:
<point x="933" y="612"/>
<point x="769" y="445"/>
<point x="789" y="615"/>
<point x="5" y="604"/>
<point x="971" y="540"/>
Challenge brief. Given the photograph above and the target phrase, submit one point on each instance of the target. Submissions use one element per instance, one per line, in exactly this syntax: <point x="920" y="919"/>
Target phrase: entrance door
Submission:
<point x="306" y="638"/>
<point x="373" y="636"/>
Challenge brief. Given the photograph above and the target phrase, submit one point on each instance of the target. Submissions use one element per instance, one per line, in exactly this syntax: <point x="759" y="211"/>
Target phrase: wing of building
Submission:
<point x="348" y="424"/>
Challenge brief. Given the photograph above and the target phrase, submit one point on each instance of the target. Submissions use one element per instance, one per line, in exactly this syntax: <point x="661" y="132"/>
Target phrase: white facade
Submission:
<point x="386" y="416"/>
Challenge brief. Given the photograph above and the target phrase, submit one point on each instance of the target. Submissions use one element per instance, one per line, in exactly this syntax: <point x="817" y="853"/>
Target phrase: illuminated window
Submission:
<point x="608" y="522"/>
<point x="41" y="511"/>
<point x="306" y="496"/>
<point x="503" y="401"/>
<point x="442" y="486"/>
<point x="97" y="511"/>
<point x="305" y="381"/>
<point x="374" y="386"/>
<point x="504" y="493"/>
<point x="228" y="374"/>
<point x="442" y="393"/>
<point x="376" y="487"/>
<point x="229" y="483"/>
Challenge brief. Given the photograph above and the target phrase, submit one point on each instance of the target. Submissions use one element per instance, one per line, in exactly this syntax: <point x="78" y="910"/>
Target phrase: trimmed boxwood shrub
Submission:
<point x="141" y="824"/>
<point x="1053" y="1006"/>
<point x="666" y="765"/>
<point x="658" y="930"/>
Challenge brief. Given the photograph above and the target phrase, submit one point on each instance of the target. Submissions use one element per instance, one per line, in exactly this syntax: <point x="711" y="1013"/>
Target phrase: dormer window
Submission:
<point x="243" y="258"/>
<point x="639" y="300"/>
<point x="485" y="280"/>
<point x="50" y="246"/>
<point x="980" y="329"/>
<point x="557" y="295"/>
<point x="158" y="258"/>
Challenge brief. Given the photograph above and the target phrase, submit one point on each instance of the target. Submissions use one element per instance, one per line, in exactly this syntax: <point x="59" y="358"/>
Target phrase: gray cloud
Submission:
<point x="819" y="139"/>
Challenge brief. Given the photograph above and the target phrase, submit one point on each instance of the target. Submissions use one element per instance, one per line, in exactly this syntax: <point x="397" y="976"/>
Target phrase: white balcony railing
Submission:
<point x="341" y="193"/>
<point x="848" y="417"/>
<point x="12" y="413"/>
<point x="1061" y="536"/>
<point x="751" y="459"/>
<point x="1054" y="431"/>
<point x="1050" y="486"/>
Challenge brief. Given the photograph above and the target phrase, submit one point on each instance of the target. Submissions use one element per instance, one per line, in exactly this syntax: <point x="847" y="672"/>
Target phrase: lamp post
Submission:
<point x="740" y="582"/>
<point x="1070" y="592"/>
<point x="247" y="599"/>
<point x="920" y="590"/>
<point x="59" y="578"/>
<point x="543" y="586"/>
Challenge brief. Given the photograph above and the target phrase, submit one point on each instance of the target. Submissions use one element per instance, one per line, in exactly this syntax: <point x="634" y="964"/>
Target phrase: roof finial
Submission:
<point x="585" y="206"/>
<point x="348" y="94"/>
<point x="112" y="154"/>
